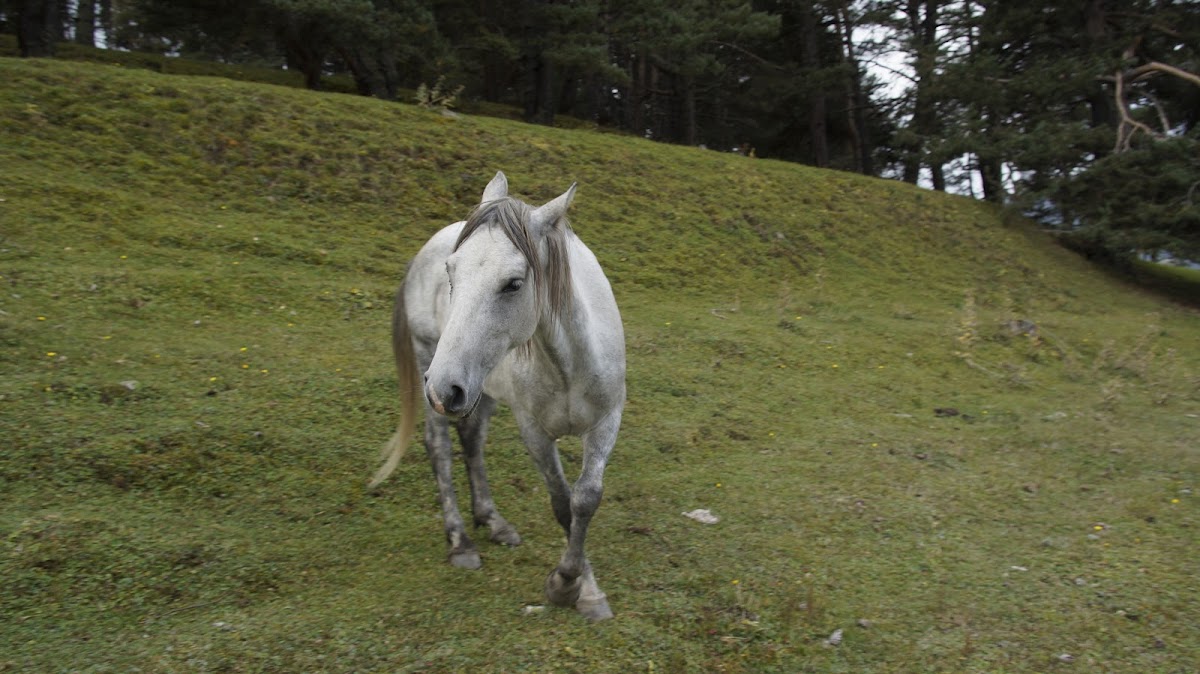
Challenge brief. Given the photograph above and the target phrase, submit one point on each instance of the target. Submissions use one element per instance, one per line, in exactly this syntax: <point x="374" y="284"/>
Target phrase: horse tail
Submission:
<point x="406" y="369"/>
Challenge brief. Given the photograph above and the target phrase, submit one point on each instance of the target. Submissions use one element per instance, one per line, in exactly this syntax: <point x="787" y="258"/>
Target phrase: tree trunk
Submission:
<point x="991" y="178"/>
<point x="567" y="98"/>
<point x="691" y="134"/>
<point x="38" y="27"/>
<point x="540" y="102"/>
<point x="85" y="23"/>
<point x="635" y="101"/>
<point x="364" y="80"/>
<point x="104" y="16"/>
<point x="654" y="104"/>
<point x="923" y="26"/>
<point x="939" y="176"/>
<point x="810" y="35"/>
<point x="306" y="59"/>
<point x="856" y="101"/>
<point x="1099" y="101"/>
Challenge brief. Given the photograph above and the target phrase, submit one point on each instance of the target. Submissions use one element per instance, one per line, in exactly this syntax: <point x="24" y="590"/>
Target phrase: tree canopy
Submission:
<point x="1082" y="113"/>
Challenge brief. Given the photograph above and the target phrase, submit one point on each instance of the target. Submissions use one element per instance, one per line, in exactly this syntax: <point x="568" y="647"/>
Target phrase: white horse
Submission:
<point x="511" y="306"/>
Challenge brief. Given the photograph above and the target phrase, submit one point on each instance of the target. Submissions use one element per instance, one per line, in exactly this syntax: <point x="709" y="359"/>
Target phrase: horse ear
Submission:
<point x="548" y="215"/>
<point x="497" y="189"/>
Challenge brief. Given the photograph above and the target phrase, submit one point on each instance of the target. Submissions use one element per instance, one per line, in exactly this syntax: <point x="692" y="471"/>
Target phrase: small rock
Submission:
<point x="1021" y="327"/>
<point x="863" y="623"/>
<point x="533" y="609"/>
<point x="1056" y="416"/>
<point x="223" y="626"/>
<point x="1030" y="488"/>
<point x="1080" y="582"/>
<point x="130" y="384"/>
<point x="1066" y="657"/>
<point x="702" y="516"/>
<point x="834" y="639"/>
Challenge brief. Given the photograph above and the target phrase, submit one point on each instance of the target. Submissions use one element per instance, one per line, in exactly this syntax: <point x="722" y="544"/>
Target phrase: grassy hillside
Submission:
<point x="194" y="338"/>
<point x="340" y="83"/>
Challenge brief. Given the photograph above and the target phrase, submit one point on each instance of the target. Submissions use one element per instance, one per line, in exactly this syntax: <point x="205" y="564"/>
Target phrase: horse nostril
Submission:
<point x="457" y="400"/>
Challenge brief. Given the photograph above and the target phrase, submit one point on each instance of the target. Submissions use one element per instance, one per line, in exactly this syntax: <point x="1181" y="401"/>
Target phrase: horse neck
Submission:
<point x="568" y="341"/>
<point x="561" y="341"/>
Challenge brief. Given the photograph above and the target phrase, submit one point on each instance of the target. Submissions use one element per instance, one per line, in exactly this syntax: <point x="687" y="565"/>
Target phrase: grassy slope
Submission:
<point x="232" y="248"/>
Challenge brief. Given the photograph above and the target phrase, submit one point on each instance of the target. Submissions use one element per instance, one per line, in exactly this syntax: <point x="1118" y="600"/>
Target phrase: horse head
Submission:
<point x="507" y="272"/>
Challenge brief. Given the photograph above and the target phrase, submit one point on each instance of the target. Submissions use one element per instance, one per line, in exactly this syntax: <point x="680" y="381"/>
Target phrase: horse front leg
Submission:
<point x="463" y="553"/>
<point x="572" y="581"/>
<point x="472" y="433"/>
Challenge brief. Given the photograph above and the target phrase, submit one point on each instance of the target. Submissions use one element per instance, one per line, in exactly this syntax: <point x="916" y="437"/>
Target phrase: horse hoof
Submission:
<point x="595" y="609"/>
<point x="466" y="559"/>
<point x="562" y="592"/>
<point x="506" y="535"/>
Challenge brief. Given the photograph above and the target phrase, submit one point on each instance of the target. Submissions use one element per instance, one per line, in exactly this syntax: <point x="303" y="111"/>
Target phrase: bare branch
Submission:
<point x="1162" y="114"/>
<point x="1156" y="66"/>
<point x="1129" y="126"/>
<point x="892" y="70"/>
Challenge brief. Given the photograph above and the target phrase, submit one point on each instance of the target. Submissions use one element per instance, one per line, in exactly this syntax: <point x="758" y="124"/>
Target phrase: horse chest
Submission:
<point x="560" y="406"/>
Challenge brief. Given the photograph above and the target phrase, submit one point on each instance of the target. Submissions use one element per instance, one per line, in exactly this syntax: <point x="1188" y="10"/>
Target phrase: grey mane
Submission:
<point x="551" y="278"/>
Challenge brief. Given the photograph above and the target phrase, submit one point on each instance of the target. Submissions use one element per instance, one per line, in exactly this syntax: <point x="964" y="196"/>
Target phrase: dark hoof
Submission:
<point x="466" y="559"/>
<point x="506" y="535"/>
<point x="561" y="592"/>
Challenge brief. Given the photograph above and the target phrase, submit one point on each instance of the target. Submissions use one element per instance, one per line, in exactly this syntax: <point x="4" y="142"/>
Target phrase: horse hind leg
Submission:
<point x="472" y="433"/>
<point x="463" y="552"/>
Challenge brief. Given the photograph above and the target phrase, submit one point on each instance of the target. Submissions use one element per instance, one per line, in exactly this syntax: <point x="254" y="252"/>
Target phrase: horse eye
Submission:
<point x="514" y="285"/>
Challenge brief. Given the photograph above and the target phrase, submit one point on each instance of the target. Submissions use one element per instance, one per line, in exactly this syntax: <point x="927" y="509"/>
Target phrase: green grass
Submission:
<point x="232" y="248"/>
<point x="1180" y="283"/>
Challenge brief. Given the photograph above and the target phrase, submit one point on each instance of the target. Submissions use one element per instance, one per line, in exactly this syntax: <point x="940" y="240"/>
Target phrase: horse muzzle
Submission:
<point x="449" y="401"/>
